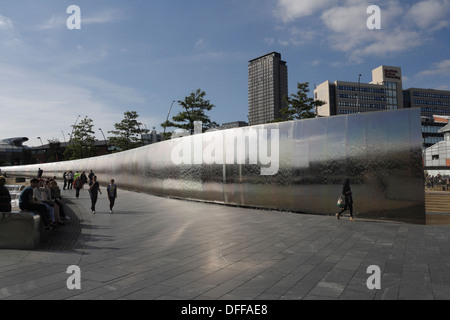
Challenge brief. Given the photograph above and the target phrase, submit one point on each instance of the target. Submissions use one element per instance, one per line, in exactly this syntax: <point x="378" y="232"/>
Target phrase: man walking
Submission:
<point x="94" y="189"/>
<point x="112" y="195"/>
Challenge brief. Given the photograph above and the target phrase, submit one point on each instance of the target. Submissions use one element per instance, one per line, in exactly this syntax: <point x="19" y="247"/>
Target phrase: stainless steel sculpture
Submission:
<point x="379" y="152"/>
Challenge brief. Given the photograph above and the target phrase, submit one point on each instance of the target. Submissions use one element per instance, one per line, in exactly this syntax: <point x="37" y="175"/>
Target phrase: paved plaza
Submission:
<point x="167" y="249"/>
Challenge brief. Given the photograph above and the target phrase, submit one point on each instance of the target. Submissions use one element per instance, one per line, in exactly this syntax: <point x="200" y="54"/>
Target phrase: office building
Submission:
<point x="431" y="102"/>
<point x="437" y="157"/>
<point x="267" y="87"/>
<point x="232" y="125"/>
<point x="343" y="97"/>
<point x="431" y="127"/>
<point x="385" y="92"/>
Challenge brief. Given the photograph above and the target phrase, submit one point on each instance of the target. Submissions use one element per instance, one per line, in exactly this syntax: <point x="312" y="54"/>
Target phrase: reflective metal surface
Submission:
<point x="379" y="152"/>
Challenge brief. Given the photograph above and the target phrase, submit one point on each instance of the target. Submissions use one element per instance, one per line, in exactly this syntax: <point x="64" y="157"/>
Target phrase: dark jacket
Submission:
<point x="347" y="192"/>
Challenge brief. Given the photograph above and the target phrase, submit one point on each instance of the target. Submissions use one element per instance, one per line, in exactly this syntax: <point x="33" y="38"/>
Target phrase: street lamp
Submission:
<point x="43" y="149"/>
<point x="142" y="136"/>
<point x="359" y="91"/>
<point x="73" y="128"/>
<point x="106" y="141"/>
<point x="164" y="135"/>
<point x="103" y="135"/>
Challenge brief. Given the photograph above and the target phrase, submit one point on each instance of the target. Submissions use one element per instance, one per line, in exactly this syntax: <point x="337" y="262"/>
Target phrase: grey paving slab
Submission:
<point x="159" y="248"/>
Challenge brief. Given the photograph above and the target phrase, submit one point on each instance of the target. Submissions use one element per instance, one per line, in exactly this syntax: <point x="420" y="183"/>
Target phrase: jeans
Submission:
<point x="39" y="209"/>
<point x="93" y="201"/>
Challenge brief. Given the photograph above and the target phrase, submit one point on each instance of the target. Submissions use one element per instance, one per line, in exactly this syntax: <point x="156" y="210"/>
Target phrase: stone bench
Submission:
<point x="20" y="230"/>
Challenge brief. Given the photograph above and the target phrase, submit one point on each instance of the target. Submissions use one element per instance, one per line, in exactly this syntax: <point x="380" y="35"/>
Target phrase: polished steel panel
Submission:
<point x="379" y="152"/>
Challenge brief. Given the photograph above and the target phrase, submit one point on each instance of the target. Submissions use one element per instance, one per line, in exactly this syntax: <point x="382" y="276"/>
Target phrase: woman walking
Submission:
<point x="347" y="193"/>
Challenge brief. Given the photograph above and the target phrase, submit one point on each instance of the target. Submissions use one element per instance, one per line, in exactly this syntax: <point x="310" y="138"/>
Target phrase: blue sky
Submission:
<point x="140" y="55"/>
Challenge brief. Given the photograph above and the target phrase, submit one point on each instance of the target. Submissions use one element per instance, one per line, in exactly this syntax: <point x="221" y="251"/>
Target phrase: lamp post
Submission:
<point x="359" y="91"/>
<point x="73" y="128"/>
<point x="103" y="135"/>
<point x="106" y="141"/>
<point x="142" y="136"/>
<point x="167" y="119"/>
<point x="43" y="149"/>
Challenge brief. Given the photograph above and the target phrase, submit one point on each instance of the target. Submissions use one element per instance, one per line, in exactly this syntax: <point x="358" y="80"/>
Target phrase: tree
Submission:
<point x="128" y="133"/>
<point x="194" y="108"/>
<point x="81" y="144"/>
<point x="54" y="151"/>
<point x="299" y="105"/>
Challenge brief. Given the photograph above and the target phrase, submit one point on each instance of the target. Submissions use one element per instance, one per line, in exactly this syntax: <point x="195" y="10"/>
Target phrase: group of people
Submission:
<point x="44" y="198"/>
<point x="70" y="177"/>
<point x="94" y="190"/>
<point x="437" y="181"/>
<point x="78" y="180"/>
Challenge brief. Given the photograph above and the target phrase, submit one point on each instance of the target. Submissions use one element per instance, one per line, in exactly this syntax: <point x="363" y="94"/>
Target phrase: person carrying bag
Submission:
<point x="348" y="200"/>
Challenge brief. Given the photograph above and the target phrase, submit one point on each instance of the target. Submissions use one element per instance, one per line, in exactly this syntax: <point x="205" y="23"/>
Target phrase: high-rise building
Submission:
<point x="267" y="87"/>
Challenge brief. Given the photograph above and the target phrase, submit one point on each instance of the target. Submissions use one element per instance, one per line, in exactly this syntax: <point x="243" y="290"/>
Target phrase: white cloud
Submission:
<point x="201" y="44"/>
<point x="289" y="10"/>
<point x="388" y="43"/>
<point x="439" y="68"/>
<point x="8" y="34"/>
<point x="443" y="88"/>
<point x="104" y="17"/>
<point x="38" y="104"/>
<point x="5" y="23"/>
<point x="342" y="25"/>
<point x="431" y="14"/>
<point x="269" y="41"/>
<point x="298" y="37"/>
<point x="53" y="22"/>
<point x="107" y="16"/>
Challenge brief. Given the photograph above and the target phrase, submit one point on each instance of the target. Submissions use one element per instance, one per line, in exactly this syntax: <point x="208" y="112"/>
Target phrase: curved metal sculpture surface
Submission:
<point x="295" y="166"/>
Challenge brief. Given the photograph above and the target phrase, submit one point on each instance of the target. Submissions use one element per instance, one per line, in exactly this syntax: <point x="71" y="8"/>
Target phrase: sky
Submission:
<point x="141" y="55"/>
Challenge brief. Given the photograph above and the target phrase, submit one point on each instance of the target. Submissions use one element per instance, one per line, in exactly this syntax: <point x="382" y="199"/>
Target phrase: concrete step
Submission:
<point x="437" y="202"/>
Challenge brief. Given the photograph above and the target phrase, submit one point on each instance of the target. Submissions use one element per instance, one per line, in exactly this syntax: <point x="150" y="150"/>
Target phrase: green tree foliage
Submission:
<point x="54" y="152"/>
<point x="194" y="109"/>
<point x="128" y="133"/>
<point x="81" y="145"/>
<point x="299" y="105"/>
